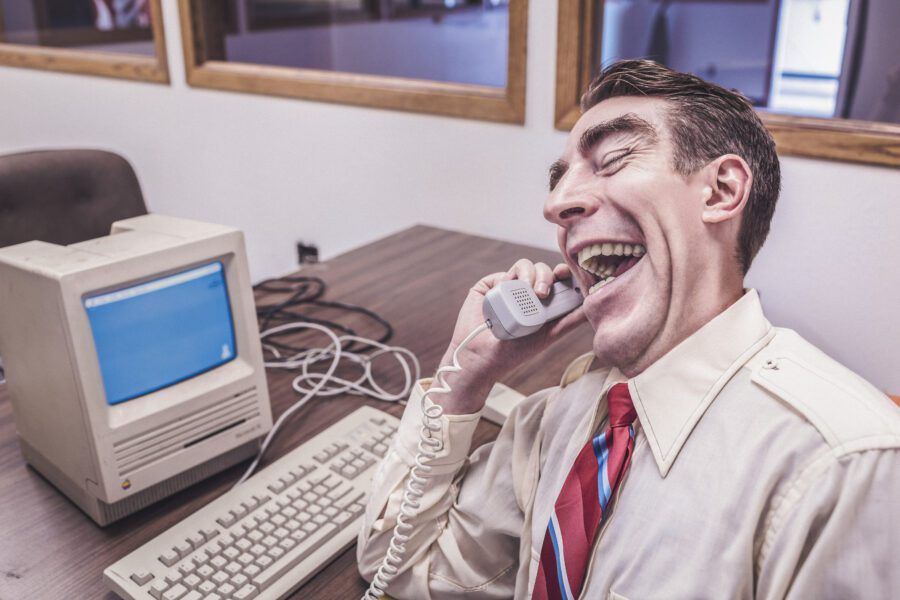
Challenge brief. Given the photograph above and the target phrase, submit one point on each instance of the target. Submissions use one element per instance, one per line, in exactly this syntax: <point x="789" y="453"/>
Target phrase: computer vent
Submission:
<point x="171" y="438"/>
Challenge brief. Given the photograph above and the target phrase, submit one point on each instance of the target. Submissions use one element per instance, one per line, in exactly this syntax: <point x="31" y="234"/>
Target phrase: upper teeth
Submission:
<point x="609" y="249"/>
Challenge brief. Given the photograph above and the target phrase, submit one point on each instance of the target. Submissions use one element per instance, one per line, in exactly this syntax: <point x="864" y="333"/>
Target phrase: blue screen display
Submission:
<point x="155" y="334"/>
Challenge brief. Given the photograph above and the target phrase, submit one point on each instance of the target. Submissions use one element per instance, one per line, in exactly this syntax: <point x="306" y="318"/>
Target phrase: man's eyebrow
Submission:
<point x="627" y="123"/>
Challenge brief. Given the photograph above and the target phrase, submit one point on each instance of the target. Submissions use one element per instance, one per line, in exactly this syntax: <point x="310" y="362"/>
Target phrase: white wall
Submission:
<point x="341" y="176"/>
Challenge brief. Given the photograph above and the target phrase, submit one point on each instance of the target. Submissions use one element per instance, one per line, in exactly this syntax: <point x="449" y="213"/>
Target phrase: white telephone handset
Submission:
<point x="514" y="310"/>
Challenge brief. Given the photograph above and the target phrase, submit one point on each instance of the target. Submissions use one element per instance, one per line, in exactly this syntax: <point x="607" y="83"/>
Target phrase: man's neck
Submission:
<point x="683" y="322"/>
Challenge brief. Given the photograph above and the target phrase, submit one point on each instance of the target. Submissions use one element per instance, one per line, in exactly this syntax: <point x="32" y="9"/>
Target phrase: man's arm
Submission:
<point x="837" y="534"/>
<point x="454" y="547"/>
<point x="465" y="537"/>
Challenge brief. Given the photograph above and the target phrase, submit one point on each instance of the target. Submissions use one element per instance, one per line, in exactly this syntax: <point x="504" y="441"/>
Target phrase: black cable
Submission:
<point x="309" y="291"/>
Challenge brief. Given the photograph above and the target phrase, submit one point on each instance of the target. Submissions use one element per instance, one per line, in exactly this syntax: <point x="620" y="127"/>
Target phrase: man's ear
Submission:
<point x="725" y="197"/>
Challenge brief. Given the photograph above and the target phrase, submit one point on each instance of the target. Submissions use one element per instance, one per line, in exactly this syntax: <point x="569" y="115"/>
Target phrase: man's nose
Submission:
<point x="568" y="202"/>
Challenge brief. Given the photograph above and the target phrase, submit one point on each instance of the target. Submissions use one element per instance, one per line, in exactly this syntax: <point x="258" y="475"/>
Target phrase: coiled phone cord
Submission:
<point x="429" y="446"/>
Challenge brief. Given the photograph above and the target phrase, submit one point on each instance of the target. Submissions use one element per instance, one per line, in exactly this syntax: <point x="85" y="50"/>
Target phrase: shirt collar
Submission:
<point x="672" y="394"/>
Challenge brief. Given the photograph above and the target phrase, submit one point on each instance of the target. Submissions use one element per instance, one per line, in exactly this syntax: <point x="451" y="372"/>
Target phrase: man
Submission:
<point x="710" y="455"/>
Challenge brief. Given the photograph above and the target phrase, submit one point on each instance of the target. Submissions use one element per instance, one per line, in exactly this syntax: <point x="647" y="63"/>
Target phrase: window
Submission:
<point x="824" y="74"/>
<point x="114" y="38"/>
<point x="463" y="58"/>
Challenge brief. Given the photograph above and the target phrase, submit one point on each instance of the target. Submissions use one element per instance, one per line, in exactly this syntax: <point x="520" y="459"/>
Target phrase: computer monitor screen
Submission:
<point x="154" y="334"/>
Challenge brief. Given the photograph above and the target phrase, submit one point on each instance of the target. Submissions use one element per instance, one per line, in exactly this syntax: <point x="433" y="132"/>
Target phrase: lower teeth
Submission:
<point x="600" y="284"/>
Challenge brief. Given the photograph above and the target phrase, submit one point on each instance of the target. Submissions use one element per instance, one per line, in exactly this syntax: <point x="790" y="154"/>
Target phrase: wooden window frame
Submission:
<point x="414" y="95"/>
<point x="88" y="62"/>
<point x="836" y="139"/>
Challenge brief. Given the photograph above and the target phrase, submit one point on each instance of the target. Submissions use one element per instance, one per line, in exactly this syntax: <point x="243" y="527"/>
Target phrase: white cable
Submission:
<point x="365" y="385"/>
<point x="429" y="446"/>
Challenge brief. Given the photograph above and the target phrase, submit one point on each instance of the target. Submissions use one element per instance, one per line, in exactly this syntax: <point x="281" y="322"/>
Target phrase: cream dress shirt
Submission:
<point x="762" y="469"/>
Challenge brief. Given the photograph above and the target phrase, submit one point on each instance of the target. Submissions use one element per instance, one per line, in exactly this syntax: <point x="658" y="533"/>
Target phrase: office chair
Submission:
<point x="65" y="196"/>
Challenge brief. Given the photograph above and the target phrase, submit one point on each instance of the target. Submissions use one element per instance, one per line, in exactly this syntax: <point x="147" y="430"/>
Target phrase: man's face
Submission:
<point x="630" y="229"/>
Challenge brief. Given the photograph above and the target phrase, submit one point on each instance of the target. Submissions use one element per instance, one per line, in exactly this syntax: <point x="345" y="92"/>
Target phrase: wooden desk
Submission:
<point x="416" y="279"/>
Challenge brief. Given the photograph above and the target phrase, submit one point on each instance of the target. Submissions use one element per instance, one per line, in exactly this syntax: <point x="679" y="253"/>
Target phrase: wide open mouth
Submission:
<point x="606" y="261"/>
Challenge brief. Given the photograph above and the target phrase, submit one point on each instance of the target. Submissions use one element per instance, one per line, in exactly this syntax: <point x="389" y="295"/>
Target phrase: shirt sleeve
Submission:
<point x="838" y="532"/>
<point x="465" y="537"/>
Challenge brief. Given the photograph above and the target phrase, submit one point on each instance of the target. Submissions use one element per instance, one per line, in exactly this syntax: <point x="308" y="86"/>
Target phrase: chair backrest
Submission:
<point x="65" y="196"/>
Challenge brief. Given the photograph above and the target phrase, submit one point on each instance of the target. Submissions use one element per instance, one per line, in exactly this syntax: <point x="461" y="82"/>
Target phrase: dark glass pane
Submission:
<point x="459" y="41"/>
<point x="100" y="25"/>
<point x="821" y="58"/>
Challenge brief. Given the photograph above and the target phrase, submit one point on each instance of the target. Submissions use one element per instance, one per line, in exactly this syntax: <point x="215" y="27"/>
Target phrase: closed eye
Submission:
<point x="615" y="160"/>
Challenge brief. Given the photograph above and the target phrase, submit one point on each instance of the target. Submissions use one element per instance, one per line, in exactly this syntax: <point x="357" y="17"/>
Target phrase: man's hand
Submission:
<point x="486" y="359"/>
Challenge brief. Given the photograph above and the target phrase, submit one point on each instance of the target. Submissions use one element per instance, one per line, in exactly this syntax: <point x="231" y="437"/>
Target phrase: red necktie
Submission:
<point x="586" y="496"/>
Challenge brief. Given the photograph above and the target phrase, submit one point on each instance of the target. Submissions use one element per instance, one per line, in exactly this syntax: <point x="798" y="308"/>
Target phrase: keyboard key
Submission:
<point x="193" y="595"/>
<point x="292" y="525"/>
<point x="348" y="500"/>
<point x="233" y="568"/>
<point x="209" y="533"/>
<point x="175" y="592"/>
<point x="252" y="571"/>
<point x="243" y="544"/>
<point x="339" y="491"/>
<point x="141" y="577"/>
<point x="287" y="543"/>
<point x="191" y="581"/>
<point x="255" y="535"/>
<point x="207" y="587"/>
<point x="213" y="549"/>
<point x="267" y="528"/>
<point x="226" y="590"/>
<point x="173" y="577"/>
<point x="205" y="572"/>
<point x="342" y="518"/>
<point x="231" y="553"/>
<point x="246" y="559"/>
<point x="220" y="577"/>
<point x="157" y="588"/>
<point x="218" y="562"/>
<point x="196" y="540"/>
<point x="169" y="558"/>
<point x="239" y="580"/>
<point x="248" y="592"/>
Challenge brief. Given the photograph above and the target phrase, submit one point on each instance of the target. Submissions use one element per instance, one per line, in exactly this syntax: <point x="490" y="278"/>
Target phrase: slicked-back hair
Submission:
<point x="705" y="121"/>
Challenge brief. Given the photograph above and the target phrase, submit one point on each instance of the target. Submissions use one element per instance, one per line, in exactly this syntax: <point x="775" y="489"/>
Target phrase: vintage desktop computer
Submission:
<point x="133" y="361"/>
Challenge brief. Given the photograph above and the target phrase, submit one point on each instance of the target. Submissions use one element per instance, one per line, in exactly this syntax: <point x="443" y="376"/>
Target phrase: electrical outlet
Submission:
<point x="307" y="253"/>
